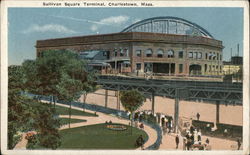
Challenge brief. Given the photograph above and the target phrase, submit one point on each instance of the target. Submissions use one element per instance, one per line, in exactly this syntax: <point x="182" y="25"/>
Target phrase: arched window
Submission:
<point x="170" y="53"/>
<point x="205" y="67"/>
<point x="149" y="52"/>
<point x="160" y="53"/>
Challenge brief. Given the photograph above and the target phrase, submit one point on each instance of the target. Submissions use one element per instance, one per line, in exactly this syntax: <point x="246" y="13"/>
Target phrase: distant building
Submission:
<point x="233" y="70"/>
<point x="233" y="66"/>
<point x="160" y="45"/>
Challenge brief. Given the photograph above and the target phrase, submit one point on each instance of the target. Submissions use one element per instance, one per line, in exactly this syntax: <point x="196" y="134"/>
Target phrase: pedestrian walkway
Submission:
<point x="168" y="143"/>
<point x="21" y="145"/>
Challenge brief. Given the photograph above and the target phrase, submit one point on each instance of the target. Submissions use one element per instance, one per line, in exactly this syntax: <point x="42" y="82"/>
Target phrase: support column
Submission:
<point x="176" y="70"/>
<point x="106" y="98"/>
<point x="169" y="69"/>
<point x="176" y="110"/>
<point x="153" y="102"/>
<point x="118" y="100"/>
<point x="217" y="111"/>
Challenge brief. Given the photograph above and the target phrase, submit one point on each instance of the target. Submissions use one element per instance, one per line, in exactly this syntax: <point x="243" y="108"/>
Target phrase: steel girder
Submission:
<point x="205" y="91"/>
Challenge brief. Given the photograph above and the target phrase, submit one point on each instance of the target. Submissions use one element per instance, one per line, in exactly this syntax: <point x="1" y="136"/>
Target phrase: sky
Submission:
<point x="27" y="25"/>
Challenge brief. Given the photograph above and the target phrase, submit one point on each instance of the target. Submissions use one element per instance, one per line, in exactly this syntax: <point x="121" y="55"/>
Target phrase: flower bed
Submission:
<point x="116" y="127"/>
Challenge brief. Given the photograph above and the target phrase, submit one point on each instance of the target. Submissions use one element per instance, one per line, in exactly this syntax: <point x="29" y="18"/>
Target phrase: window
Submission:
<point x="115" y="52"/>
<point x="180" y="68"/>
<point x="190" y="54"/>
<point x="195" y="55"/>
<point x="149" y="53"/>
<point x="160" y="53"/>
<point x="126" y="52"/>
<point x="210" y="56"/>
<point x="138" y="53"/>
<point x="205" y="67"/>
<point x="206" y="55"/>
<point x="180" y="54"/>
<point x="104" y="53"/>
<point x="170" y="54"/>
<point x="199" y="56"/>
<point x="217" y="56"/>
<point x="214" y="56"/>
<point x="220" y="57"/>
<point x="138" y="66"/>
<point x="210" y="68"/>
<point x="121" y="52"/>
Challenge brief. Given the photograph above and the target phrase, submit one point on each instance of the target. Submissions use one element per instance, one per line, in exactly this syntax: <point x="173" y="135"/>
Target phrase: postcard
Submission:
<point x="127" y="77"/>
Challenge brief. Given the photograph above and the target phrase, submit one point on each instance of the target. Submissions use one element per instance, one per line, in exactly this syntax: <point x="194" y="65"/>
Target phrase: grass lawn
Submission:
<point x="99" y="137"/>
<point x="65" y="111"/>
<point x="66" y="120"/>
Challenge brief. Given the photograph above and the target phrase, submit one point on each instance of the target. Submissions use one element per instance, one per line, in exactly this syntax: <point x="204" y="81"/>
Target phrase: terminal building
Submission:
<point x="160" y="45"/>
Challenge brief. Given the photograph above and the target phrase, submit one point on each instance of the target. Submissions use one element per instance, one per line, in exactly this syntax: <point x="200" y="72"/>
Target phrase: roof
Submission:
<point x="88" y="54"/>
<point x="163" y="25"/>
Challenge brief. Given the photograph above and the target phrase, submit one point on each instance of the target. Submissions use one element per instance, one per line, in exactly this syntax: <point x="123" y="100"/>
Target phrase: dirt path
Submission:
<point x="22" y="144"/>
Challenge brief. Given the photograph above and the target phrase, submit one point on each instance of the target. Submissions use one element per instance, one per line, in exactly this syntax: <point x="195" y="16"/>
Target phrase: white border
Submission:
<point x="4" y="77"/>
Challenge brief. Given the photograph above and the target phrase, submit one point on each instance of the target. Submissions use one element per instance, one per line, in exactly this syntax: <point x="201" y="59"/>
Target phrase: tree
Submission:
<point x="50" y="67"/>
<point x="17" y="107"/>
<point x="25" y="114"/>
<point x="131" y="100"/>
<point x="69" y="90"/>
<point x="89" y="86"/>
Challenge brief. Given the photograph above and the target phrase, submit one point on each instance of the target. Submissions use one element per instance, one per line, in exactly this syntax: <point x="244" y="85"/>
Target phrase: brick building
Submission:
<point x="162" y="45"/>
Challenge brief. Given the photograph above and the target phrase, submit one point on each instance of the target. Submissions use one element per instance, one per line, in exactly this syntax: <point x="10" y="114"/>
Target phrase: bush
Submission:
<point x="32" y="142"/>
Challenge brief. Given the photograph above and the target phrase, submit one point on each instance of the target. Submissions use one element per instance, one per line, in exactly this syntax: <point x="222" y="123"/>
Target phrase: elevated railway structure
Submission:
<point x="213" y="92"/>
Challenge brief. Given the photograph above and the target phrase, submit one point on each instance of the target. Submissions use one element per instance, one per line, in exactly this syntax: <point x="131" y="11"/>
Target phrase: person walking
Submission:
<point x="184" y="143"/>
<point x="239" y="143"/>
<point x="142" y="141"/>
<point x="207" y="141"/>
<point x="198" y="116"/>
<point x="188" y="144"/>
<point x="177" y="140"/>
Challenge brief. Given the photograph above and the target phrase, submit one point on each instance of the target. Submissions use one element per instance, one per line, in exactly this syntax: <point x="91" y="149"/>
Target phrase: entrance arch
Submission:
<point x="195" y="69"/>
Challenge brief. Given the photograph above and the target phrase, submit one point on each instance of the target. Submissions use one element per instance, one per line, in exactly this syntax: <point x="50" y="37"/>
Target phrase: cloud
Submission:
<point x="115" y="21"/>
<point x="136" y="20"/>
<point x="48" y="28"/>
<point x="93" y="27"/>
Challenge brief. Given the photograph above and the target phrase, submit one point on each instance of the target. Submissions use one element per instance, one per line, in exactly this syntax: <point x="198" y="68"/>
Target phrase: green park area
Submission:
<point x="65" y="121"/>
<point x="98" y="136"/>
<point x="65" y="111"/>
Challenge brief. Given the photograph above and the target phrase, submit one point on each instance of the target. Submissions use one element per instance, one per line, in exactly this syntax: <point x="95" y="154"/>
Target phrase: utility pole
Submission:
<point x="238" y="49"/>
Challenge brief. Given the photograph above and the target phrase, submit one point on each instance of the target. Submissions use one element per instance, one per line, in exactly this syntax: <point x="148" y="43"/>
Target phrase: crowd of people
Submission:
<point x="193" y="138"/>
